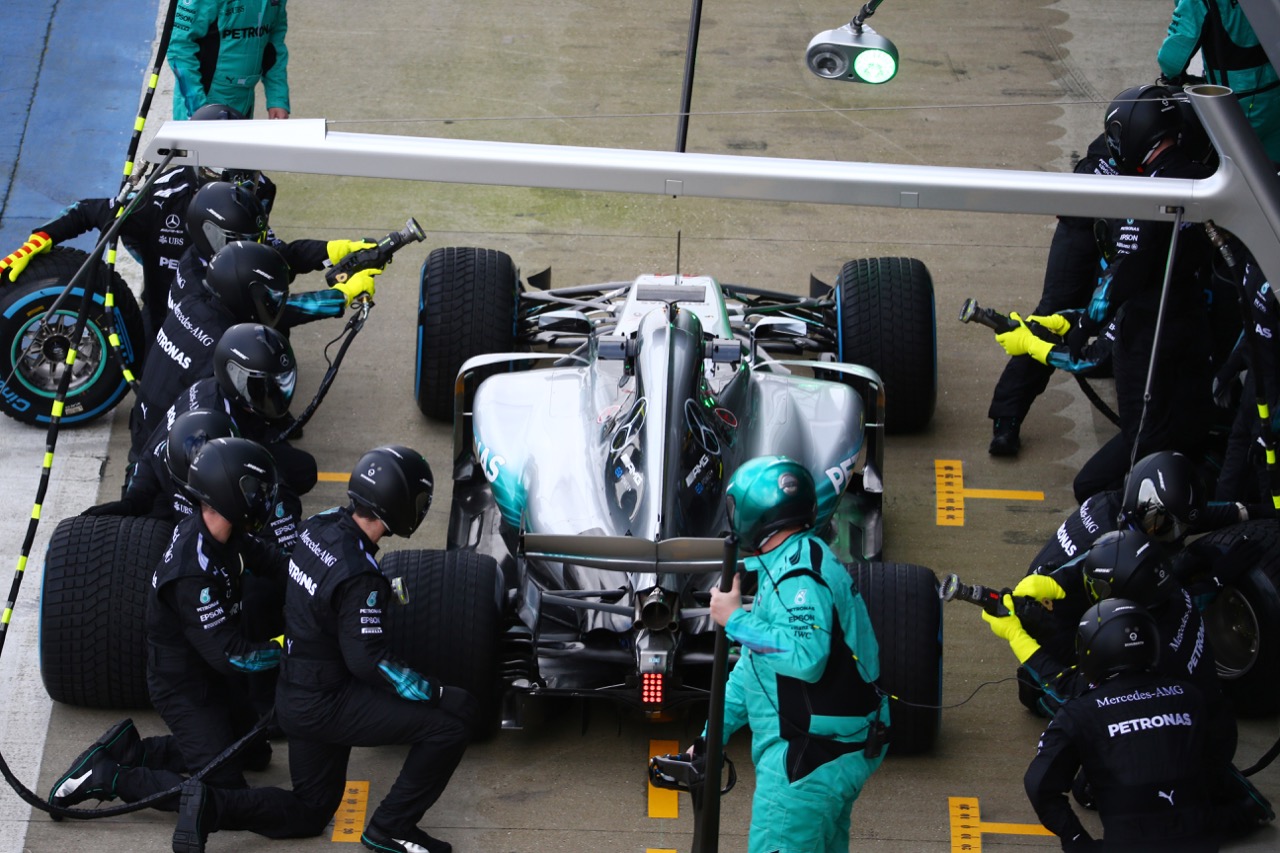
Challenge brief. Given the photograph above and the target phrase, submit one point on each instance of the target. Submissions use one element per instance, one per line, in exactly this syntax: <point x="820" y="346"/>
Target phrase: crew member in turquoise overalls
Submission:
<point x="219" y="51"/>
<point x="805" y="679"/>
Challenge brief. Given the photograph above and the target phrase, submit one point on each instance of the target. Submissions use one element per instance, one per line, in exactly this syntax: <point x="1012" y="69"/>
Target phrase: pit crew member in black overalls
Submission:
<point x="340" y="687"/>
<point x="197" y="652"/>
<point x="1141" y="736"/>
<point x="1142" y="127"/>
<point x="254" y="377"/>
<point x="805" y="679"/>
<point x="155" y="233"/>
<point x="157" y="485"/>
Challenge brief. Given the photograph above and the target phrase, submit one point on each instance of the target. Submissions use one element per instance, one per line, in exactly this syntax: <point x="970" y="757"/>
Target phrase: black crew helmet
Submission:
<point x="255" y="369"/>
<point x="1162" y="496"/>
<point x="222" y="212"/>
<point x="188" y="435"/>
<point x="1193" y="139"/>
<point x="217" y="112"/>
<point x="767" y="494"/>
<point x="394" y="484"/>
<point x="1138" y="120"/>
<point x="223" y="112"/>
<point x="251" y="280"/>
<point x="1128" y="564"/>
<point x="1116" y="635"/>
<point x="237" y="478"/>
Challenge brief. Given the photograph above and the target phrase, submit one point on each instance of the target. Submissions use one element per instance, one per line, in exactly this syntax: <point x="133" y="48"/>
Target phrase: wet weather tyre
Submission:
<point x="93" y="606"/>
<point x="1243" y="618"/>
<point x="450" y="628"/>
<point x="886" y="321"/>
<point x="902" y="601"/>
<point x="466" y="307"/>
<point x="34" y="355"/>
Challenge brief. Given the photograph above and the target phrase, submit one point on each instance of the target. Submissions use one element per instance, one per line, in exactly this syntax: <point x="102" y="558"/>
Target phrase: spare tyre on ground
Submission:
<point x="93" y="607"/>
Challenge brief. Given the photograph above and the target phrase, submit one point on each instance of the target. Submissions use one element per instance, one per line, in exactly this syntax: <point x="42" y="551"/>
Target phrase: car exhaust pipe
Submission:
<point x="654" y="611"/>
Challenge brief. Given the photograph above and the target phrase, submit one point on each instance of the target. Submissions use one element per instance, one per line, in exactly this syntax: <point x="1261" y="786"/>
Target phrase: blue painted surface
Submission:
<point x="71" y="79"/>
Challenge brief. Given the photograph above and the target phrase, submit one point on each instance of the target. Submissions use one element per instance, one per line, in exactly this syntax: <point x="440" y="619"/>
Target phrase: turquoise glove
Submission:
<point x="1021" y="341"/>
<point x="339" y="249"/>
<point x="16" y="262"/>
<point x="1055" y="323"/>
<point x="1010" y="629"/>
<point x="358" y="285"/>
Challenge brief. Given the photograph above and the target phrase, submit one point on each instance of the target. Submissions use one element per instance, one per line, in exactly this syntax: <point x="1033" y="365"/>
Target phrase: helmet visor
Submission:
<point x="1098" y="588"/>
<point x="259" y="500"/>
<point x="268" y="394"/>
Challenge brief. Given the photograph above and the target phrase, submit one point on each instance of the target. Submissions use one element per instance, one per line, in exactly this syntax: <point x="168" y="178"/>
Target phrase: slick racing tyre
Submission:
<point x="450" y="627"/>
<point x="93" y="607"/>
<point x="34" y="353"/>
<point x="1242" y="612"/>
<point x="885" y="316"/>
<point x="466" y="307"/>
<point x="906" y="612"/>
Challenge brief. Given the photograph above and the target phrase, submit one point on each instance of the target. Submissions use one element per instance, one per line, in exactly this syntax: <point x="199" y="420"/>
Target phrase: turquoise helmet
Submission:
<point x="768" y="494"/>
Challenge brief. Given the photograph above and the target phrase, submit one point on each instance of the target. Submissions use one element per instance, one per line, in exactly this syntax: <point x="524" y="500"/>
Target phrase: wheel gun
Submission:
<point x="972" y="312"/>
<point x="377" y="256"/>
<point x="988" y="598"/>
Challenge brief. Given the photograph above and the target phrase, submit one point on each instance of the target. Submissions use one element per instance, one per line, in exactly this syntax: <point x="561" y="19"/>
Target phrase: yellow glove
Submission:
<point x="1021" y="341"/>
<point x="279" y="641"/>
<point x="339" y="249"/>
<point x="17" y="262"/>
<point x="1040" y="587"/>
<point x="1010" y="629"/>
<point x="357" y="285"/>
<point x="1055" y="323"/>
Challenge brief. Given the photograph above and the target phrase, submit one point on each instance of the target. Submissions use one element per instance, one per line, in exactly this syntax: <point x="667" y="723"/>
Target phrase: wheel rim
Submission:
<point x="1232" y="626"/>
<point x="39" y="354"/>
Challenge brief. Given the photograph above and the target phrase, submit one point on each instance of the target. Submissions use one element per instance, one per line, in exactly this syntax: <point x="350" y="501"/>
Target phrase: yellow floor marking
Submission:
<point x="967" y="827"/>
<point x="332" y="477"/>
<point x="348" y="821"/>
<point x="663" y="803"/>
<point x="948" y="476"/>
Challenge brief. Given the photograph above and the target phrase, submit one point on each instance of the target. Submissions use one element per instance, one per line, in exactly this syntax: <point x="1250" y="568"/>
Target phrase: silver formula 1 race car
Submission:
<point x="595" y="428"/>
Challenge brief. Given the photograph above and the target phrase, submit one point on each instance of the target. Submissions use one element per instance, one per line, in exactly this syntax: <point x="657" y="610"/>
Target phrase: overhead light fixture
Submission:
<point x="854" y="52"/>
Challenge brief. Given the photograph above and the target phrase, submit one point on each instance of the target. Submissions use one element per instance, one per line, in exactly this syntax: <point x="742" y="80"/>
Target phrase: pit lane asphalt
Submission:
<point x="608" y="73"/>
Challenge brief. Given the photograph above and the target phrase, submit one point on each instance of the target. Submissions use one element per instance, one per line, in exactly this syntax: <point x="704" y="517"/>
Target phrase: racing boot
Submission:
<point x="413" y="840"/>
<point x="93" y="773"/>
<point x="196" y="818"/>
<point x="1005" y="440"/>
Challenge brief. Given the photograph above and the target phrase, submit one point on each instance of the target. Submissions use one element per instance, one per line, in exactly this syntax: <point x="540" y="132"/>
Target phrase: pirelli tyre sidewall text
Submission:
<point x="33" y="354"/>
